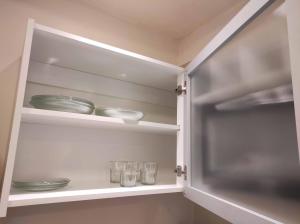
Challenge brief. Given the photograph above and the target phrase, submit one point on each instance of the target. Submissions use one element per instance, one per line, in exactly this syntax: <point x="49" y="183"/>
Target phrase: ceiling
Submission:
<point x="176" y="18"/>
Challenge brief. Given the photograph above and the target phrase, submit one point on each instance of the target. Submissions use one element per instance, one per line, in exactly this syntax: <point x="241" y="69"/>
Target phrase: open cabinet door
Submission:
<point x="241" y="140"/>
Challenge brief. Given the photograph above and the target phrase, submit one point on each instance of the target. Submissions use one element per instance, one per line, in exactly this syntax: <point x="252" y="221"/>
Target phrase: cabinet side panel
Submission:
<point x="10" y="158"/>
<point x="8" y="79"/>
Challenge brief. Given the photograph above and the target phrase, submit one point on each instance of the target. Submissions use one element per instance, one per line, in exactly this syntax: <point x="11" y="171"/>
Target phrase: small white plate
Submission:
<point x="120" y="113"/>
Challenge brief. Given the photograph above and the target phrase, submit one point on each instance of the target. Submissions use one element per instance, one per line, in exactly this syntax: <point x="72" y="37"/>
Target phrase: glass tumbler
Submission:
<point x="129" y="174"/>
<point x="115" y="171"/>
<point x="139" y="170"/>
<point x="149" y="173"/>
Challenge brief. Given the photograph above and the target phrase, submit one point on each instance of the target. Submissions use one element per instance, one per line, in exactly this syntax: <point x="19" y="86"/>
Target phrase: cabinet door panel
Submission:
<point x="242" y="152"/>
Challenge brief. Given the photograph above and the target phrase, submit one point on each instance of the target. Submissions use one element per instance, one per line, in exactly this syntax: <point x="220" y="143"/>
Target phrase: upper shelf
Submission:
<point x="31" y="115"/>
<point x="63" y="49"/>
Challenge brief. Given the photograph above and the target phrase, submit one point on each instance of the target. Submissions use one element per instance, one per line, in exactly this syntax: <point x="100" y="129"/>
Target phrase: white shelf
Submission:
<point x="52" y="46"/>
<point x="90" y="194"/>
<point x="31" y="115"/>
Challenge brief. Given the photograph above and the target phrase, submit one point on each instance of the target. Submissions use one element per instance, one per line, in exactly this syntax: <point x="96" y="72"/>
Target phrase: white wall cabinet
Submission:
<point x="60" y="144"/>
<point x="78" y="146"/>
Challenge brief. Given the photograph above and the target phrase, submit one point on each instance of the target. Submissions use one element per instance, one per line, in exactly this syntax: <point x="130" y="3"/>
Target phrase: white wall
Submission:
<point x="191" y="45"/>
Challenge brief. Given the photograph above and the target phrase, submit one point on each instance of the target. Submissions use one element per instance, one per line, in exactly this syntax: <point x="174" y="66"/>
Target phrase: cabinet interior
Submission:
<point x="79" y="147"/>
<point x="83" y="154"/>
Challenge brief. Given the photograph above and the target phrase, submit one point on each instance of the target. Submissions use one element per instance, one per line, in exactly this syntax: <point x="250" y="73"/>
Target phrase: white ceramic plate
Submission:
<point x="120" y="113"/>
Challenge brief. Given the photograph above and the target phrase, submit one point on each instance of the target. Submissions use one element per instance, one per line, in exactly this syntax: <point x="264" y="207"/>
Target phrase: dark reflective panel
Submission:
<point x="243" y="130"/>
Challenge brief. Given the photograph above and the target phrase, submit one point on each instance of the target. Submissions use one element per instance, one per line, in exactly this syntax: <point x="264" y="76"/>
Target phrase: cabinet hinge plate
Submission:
<point x="181" y="89"/>
<point x="181" y="171"/>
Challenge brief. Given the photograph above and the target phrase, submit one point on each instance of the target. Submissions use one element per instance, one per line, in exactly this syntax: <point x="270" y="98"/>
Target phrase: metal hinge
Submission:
<point x="181" y="172"/>
<point x="181" y="89"/>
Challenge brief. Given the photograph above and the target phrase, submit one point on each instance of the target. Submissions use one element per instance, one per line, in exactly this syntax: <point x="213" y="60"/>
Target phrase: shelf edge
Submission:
<point x="91" y="194"/>
<point x="32" y="115"/>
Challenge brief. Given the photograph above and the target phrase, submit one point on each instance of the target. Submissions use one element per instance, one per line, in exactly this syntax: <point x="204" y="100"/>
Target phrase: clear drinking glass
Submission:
<point x="139" y="170"/>
<point x="129" y="174"/>
<point x="115" y="171"/>
<point x="131" y="165"/>
<point x="149" y="173"/>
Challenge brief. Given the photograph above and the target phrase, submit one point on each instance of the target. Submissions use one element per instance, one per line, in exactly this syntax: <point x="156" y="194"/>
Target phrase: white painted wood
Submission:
<point x="31" y="115"/>
<point x="71" y="79"/>
<point x="245" y="14"/>
<point x="38" y="154"/>
<point x="293" y="18"/>
<point x="91" y="194"/>
<point x="78" y="53"/>
<point x="181" y="133"/>
<point x="35" y="122"/>
<point x="16" y="121"/>
<point x="46" y="124"/>
<point x="187" y="135"/>
<point x="228" y="210"/>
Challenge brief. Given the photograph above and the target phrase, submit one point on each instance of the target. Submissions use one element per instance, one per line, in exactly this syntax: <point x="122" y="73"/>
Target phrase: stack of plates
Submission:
<point x="62" y="103"/>
<point x="41" y="185"/>
<point x="120" y="113"/>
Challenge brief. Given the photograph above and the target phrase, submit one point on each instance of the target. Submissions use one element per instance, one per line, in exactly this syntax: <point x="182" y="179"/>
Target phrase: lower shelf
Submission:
<point x="23" y="199"/>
